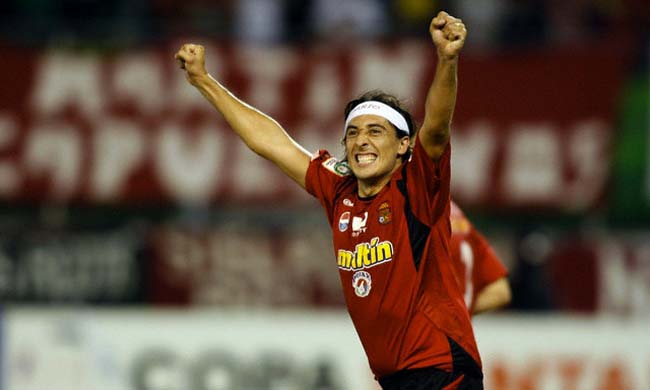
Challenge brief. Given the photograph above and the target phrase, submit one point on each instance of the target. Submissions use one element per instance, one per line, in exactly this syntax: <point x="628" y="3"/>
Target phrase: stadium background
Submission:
<point x="144" y="247"/>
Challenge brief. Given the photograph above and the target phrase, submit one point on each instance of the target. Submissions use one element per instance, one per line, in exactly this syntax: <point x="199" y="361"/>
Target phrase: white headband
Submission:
<point x="383" y="110"/>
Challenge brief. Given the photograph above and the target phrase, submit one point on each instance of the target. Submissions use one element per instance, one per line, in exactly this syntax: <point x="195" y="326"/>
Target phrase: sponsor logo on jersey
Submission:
<point x="385" y="215"/>
<point x="336" y="166"/>
<point x="362" y="283"/>
<point x="359" y="224"/>
<point x="365" y="255"/>
<point x="344" y="221"/>
<point x="348" y="202"/>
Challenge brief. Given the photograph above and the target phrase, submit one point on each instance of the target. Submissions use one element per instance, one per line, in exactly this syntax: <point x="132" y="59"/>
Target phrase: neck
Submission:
<point x="372" y="186"/>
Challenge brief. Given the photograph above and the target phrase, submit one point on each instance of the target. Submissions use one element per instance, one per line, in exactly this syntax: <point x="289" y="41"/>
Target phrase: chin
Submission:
<point x="367" y="175"/>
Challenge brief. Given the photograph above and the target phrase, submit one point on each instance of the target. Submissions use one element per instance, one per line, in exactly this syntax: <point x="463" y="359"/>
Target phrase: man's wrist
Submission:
<point x="199" y="79"/>
<point x="444" y="58"/>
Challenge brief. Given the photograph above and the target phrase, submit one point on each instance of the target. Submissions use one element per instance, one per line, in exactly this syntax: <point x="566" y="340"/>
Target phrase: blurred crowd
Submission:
<point x="493" y="23"/>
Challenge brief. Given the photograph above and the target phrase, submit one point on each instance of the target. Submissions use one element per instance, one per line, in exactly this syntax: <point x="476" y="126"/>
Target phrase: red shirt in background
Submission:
<point x="475" y="263"/>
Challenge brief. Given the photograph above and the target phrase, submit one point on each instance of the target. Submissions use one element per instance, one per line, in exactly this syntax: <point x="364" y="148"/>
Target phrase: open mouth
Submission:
<point x="366" y="158"/>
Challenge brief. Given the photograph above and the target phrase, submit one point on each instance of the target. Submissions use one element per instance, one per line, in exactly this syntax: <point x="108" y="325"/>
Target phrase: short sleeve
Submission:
<point x="487" y="266"/>
<point x="324" y="175"/>
<point x="428" y="184"/>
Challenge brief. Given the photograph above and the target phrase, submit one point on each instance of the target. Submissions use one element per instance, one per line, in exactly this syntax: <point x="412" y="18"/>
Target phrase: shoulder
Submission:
<point x="323" y="159"/>
<point x="337" y="167"/>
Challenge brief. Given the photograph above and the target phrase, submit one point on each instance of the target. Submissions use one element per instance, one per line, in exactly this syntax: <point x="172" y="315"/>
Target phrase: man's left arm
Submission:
<point x="448" y="34"/>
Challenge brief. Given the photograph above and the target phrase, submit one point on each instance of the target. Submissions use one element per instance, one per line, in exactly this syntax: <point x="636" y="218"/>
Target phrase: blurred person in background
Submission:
<point x="531" y="277"/>
<point x="388" y="205"/>
<point x="482" y="277"/>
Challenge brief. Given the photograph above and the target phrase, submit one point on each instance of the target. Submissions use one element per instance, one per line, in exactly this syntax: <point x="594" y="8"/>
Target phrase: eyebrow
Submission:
<point x="377" y="125"/>
<point x="369" y="125"/>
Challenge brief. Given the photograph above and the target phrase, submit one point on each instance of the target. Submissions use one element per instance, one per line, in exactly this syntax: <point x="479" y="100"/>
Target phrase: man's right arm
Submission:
<point x="493" y="296"/>
<point x="261" y="133"/>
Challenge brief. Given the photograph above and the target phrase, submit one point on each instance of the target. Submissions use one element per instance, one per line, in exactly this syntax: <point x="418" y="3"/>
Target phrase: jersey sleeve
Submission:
<point x="324" y="174"/>
<point x="428" y="183"/>
<point x="487" y="266"/>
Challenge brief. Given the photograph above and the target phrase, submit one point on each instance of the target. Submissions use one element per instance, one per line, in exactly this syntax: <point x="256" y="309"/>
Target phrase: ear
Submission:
<point x="404" y="144"/>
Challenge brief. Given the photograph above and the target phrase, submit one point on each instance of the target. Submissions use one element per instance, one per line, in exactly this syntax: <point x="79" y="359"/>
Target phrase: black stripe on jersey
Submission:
<point x="418" y="231"/>
<point x="464" y="362"/>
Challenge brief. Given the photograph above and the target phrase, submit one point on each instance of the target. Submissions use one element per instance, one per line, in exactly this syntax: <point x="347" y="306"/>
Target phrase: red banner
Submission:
<point x="530" y="130"/>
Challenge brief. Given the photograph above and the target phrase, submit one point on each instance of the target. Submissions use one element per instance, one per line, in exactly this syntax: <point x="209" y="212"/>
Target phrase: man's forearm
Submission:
<point x="441" y="100"/>
<point x="259" y="131"/>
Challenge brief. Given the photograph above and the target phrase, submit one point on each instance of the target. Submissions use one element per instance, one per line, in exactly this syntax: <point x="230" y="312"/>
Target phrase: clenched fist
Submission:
<point x="448" y="34"/>
<point x="191" y="58"/>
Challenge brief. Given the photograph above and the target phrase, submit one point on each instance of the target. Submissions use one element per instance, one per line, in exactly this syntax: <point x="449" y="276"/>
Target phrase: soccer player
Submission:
<point x="388" y="205"/>
<point x="481" y="275"/>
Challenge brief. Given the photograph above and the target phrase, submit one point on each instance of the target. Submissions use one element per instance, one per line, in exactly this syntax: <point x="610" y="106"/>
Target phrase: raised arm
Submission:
<point x="448" y="34"/>
<point x="261" y="133"/>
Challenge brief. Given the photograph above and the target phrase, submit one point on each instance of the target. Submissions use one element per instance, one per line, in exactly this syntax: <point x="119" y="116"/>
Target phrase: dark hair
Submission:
<point x="395" y="103"/>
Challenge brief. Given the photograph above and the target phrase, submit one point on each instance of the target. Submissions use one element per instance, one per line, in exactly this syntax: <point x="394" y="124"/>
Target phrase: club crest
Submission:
<point x="362" y="283"/>
<point x="385" y="215"/>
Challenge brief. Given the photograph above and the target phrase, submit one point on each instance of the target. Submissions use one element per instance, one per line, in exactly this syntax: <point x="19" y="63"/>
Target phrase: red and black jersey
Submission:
<point x="392" y="252"/>
<point x="475" y="263"/>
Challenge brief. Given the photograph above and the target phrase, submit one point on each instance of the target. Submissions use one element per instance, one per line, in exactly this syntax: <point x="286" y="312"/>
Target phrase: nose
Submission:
<point x="361" y="139"/>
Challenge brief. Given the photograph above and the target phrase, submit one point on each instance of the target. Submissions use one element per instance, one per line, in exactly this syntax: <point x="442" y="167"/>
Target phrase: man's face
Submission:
<point x="372" y="148"/>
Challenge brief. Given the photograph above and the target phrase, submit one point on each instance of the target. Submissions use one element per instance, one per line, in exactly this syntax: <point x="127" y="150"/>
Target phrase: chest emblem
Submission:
<point x="344" y="221"/>
<point x="359" y="224"/>
<point x="362" y="283"/>
<point x="385" y="215"/>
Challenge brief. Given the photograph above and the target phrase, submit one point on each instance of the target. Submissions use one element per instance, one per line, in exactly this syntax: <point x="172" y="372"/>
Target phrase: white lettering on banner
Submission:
<point x="80" y="268"/>
<point x="581" y="353"/>
<point x="551" y="372"/>
<point x="267" y="69"/>
<point x="324" y="92"/>
<point x="533" y="170"/>
<point x="561" y="165"/>
<point x="54" y="151"/>
<point x="624" y="278"/>
<point x="220" y="368"/>
<point x="276" y="272"/>
<point x="252" y="176"/>
<point x="189" y="164"/>
<point x="233" y="281"/>
<point x="9" y="178"/>
<point x="117" y="347"/>
<point x="119" y="148"/>
<point x="400" y="71"/>
<point x="589" y="160"/>
<point x="138" y="79"/>
<point x="314" y="136"/>
<point x="68" y="80"/>
<point x="473" y="160"/>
